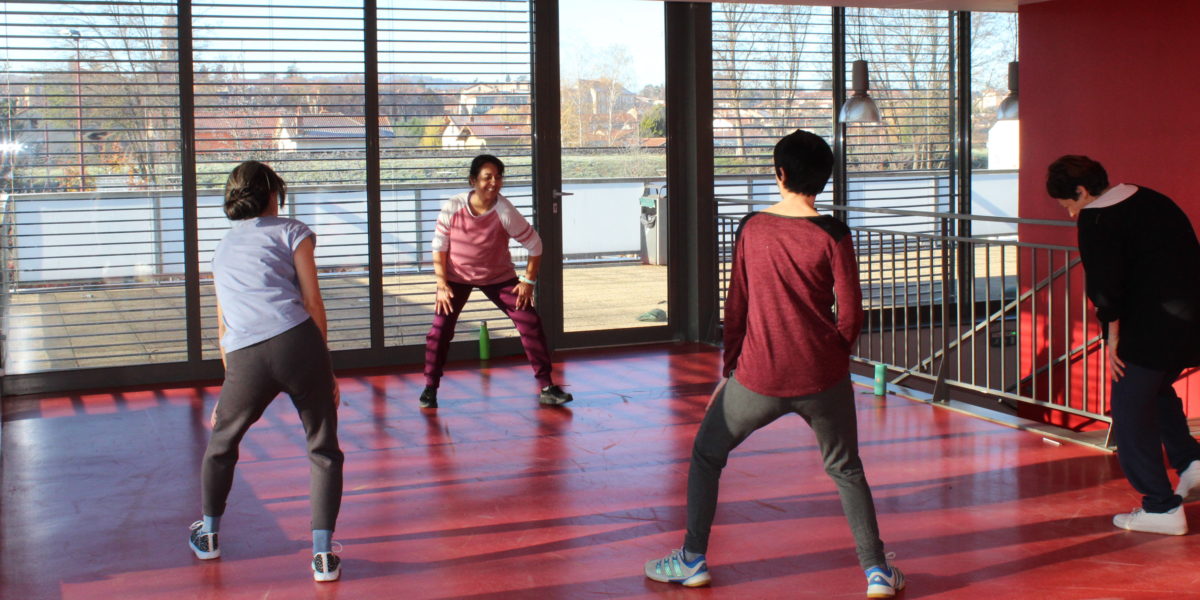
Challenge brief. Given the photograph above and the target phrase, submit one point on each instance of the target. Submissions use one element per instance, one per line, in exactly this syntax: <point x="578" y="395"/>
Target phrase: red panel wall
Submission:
<point x="1118" y="81"/>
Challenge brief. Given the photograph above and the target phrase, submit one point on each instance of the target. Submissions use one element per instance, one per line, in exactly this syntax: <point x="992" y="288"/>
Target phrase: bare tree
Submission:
<point x="729" y="63"/>
<point x="131" y="55"/>
<point x="613" y="73"/>
<point x="911" y="73"/>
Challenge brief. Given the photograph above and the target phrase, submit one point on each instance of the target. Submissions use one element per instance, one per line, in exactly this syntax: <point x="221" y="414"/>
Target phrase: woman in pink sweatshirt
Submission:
<point x="470" y="250"/>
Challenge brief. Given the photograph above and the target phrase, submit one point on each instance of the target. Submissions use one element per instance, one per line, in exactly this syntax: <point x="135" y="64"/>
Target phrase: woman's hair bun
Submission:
<point x="249" y="188"/>
<point x="241" y="204"/>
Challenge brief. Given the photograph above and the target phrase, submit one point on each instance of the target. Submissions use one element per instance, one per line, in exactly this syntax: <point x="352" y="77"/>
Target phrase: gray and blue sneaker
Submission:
<point x="676" y="569"/>
<point x="884" y="581"/>
<point x="203" y="543"/>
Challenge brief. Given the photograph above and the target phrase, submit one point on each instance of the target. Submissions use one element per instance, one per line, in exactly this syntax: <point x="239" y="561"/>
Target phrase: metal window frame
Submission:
<point x="693" y="252"/>
<point x="546" y="180"/>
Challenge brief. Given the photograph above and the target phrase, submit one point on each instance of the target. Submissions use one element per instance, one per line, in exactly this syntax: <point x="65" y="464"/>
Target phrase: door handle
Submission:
<point x="558" y="194"/>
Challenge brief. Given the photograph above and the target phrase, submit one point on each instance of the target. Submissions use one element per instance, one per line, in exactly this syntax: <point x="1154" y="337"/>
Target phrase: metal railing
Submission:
<point x="991" y="315"/>
<point x="96" y="279"/>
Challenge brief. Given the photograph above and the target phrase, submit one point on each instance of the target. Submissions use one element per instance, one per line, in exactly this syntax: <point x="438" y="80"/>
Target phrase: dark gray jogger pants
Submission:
<point x="297" y="362"/>
<point x="737" y="412"/>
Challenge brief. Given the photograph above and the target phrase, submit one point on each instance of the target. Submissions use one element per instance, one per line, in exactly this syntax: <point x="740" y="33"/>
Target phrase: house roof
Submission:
<point x="489" y="126"/>
<point x="334" y="126"/>
<point x="515" y="87"/>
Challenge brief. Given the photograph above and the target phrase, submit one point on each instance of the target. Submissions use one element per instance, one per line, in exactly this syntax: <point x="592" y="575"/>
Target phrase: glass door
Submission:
<point x="614" y="200"/>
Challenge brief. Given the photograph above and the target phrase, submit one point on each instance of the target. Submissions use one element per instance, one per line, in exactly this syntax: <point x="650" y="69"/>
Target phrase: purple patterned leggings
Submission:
<point x="529" y="325"/>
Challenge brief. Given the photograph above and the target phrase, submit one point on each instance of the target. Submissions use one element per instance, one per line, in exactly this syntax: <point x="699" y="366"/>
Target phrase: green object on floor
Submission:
<point x="653" y="315"/>
<point x="880" y="380"/>
<point x="485" y="344"/>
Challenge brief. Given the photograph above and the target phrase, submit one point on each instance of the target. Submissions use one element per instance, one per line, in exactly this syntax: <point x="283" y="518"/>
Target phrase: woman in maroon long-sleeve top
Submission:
<point x="787" y="350"/>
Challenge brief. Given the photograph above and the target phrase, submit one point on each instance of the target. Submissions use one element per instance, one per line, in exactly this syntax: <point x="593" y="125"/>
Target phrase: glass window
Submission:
<point x="454" y="82"/>
<point x="91" y="209"/>
<point x="614" y="135"/>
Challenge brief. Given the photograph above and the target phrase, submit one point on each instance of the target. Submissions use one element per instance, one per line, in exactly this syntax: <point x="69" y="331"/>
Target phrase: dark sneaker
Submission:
<point x="204" y="544"/>
<point x="429" y="398"/>
<point x="326" y="566"/>
<point x="554" y="396"/>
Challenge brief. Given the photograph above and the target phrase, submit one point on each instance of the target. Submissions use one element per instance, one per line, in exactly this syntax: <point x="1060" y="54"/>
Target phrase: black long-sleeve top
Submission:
<point x="1142" y="263"/>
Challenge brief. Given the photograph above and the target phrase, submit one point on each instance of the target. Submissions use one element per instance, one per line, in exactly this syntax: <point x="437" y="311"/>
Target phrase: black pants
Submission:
<point x="1147" y="417"/>
<point x="297" y="362"/>
<point x="737" y="412"/>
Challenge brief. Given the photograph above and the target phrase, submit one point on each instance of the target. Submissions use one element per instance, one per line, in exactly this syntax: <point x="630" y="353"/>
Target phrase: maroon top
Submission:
<point x="781" y="332"/>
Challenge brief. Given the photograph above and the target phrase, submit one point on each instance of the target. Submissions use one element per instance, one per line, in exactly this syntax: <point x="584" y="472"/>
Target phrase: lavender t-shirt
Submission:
<point x="255" y="278"/>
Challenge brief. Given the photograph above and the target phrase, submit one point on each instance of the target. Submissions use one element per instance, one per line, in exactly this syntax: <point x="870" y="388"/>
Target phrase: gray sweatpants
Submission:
<point x="297" y="362"/>
<point x="737" y="412"/>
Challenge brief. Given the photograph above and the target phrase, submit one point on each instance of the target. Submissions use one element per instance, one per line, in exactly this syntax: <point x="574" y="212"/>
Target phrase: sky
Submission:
<point x="258" y="37"/>
<point x="634" y="24"/>
<point x="587" y="34"/>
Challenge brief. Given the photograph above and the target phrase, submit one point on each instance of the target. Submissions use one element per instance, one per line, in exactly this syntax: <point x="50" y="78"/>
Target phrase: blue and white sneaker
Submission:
<point x="676" y="569"/>
<point x="884" y="581"/>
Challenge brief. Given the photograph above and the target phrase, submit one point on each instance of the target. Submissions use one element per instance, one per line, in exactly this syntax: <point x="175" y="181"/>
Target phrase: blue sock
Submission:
<point x="322" y="540"/>
<point x="211" y="524"/>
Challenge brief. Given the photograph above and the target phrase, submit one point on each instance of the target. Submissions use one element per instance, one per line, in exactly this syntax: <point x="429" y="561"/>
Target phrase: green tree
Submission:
<point x="654" y="123"/>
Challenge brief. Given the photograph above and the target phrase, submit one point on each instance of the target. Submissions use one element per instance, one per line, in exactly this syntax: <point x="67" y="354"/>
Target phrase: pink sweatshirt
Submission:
<point x="477" y="245"/>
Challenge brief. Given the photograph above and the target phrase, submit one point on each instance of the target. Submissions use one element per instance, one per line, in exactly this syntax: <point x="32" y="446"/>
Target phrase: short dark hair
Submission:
<point x="805" y="161"/>
<point x="483" y="159"/>
<point x="1066" y="174"/>
<point x="248" y="190"/>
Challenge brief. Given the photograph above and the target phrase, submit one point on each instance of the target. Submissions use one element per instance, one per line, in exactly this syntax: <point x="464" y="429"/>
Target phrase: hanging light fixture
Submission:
<point x="1008" y="106"/>
<point x="859" y="108"/>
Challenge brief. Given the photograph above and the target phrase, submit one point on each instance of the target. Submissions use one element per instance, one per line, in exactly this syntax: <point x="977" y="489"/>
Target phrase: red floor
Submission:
<point x="495" y="497"/>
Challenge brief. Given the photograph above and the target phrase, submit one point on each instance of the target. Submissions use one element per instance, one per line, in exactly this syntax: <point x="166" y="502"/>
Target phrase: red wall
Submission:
<point x="1118" y="81"/>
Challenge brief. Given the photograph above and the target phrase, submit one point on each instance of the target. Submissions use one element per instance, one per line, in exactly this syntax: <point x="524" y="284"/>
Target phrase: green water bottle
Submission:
<point x="880" y="380"/>
<point x="485" y="344"/>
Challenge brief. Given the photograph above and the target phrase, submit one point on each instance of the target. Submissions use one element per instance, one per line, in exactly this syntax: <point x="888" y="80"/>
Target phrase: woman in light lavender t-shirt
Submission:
<point x="272" y="328"/>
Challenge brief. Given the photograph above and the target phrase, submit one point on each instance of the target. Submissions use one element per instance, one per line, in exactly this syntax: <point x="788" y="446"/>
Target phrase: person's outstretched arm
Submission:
<point x="848" y="290"/>
<point x="736" y="304"/>
<point x="1105" y="281"/>
<point x="310" y="294"/>
<point x="310" y="289"/>
<point x="220" y="332"/>
<point x="518" y="228"/>
<point x="441" y="247"/>
<point x="441" y="299"/>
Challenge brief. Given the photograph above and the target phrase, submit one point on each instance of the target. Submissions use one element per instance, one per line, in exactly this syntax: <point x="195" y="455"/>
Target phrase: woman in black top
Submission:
<point x="1142" y="262"/>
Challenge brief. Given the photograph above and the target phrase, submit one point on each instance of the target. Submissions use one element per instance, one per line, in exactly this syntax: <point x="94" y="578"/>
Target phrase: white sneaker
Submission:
<point x="1189" y="481"/>
<point x="327" y="566"/>
<point x="1172" y="522"/>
